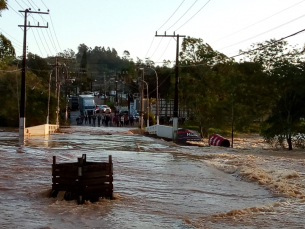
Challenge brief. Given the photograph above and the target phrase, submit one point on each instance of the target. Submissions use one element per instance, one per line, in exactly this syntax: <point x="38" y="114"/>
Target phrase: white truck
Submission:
<point x="86" y="104"/>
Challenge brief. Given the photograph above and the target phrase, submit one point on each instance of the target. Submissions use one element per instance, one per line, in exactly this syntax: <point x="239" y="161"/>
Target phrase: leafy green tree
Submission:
<point x="7" y="50"/>
<point x="289" y="107"/>
<point x="3" y="6"/>
<point x="285" y="67"/>
<point x="201" y="88"/>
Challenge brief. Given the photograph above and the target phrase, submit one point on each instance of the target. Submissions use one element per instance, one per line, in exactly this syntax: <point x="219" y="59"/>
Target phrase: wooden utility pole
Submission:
<point x="23" y="86"/>
<point x="175" y="118"/>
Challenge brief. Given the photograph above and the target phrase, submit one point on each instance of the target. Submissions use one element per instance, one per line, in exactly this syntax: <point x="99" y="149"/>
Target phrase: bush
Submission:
<point x="152" y="119"/>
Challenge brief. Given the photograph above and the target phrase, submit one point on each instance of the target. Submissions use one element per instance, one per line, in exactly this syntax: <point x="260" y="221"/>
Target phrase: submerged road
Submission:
<point x="157" y="184"/>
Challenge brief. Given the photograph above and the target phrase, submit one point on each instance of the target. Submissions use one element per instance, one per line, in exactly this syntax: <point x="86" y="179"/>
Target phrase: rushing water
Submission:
<point x="156" y="184"/>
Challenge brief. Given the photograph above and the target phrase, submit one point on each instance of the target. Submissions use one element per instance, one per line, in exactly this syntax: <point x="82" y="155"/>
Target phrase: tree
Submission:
<point x="285" y="67"/>
<point x="7" y="50"/>
<point x="289" y="107"/>
<point x="3" y="6"/>
<point x="201" y="88"/>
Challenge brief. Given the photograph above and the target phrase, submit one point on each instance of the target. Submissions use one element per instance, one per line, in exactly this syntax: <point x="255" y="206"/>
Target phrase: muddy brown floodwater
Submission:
<point x="157" y="184"/>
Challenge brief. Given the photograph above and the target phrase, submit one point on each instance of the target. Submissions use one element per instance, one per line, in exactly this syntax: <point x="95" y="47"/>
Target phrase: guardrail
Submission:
<point x="40" y="130"/>
<point x="160" y="131"/>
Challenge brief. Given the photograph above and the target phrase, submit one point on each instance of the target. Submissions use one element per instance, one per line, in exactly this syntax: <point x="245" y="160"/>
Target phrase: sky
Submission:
<point x="227" y="25"/>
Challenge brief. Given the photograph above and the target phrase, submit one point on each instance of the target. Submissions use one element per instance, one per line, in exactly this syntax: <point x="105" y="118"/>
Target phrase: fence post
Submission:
<point x="80" y="165"/>
<point x="111" y="167"/>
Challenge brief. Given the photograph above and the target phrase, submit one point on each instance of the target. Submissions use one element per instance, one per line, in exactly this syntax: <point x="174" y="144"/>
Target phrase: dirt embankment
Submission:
<point x="137" y="131"/>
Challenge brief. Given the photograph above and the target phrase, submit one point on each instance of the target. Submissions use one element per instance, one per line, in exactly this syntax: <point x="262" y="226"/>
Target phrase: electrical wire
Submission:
<point x="20" y="44"/>
<point x="44" y="4"/>
<point x="11" y="70"/>
<point x="182" y="15"/>
<point x="48" y="32"/>
<point x="149" y="47"/>
<point x="164" y="50"/>
<point x="14" y="10"/>
<point x="52" y="26"/>
<point x="263" y="32"/>
<point x="160" y="28"/>
<point x="194" y="14"/>
<point x="257" y="22"/>
<point x="19" y="4"/>
<point x="156" y="48"/>
<point x="34" y="4"/>
<point x="260" y="48"/>
<point x="46" y="42"/>
<point x="42" y="42"/>
<point x="52" y="41"/>
<point x="37" y="43"/>
<point x="291" y="35"/>
<point x="171" y="15"/>
<point x="55" y="33"/>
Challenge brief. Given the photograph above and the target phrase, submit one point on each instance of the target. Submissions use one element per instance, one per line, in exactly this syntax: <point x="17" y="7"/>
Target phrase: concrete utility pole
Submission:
<point x="23" y="86"/>
<point x="142" y="102"/>
<point x="56" y="65"/>
<point x="175" y="118"/>
<point x="105" y="100"/>
<point x="157" y="96"/>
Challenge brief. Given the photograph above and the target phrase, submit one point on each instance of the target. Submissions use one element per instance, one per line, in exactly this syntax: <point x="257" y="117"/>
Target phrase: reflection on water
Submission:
<point x="156" y="184"/>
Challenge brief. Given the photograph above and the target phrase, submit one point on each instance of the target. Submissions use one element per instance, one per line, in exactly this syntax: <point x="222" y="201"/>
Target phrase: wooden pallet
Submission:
<point x="83" y="180"/>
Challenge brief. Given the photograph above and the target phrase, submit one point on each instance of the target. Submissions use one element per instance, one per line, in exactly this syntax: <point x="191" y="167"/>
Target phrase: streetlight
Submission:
<point x="157" y="96"/>
<point x="142" y="105"/>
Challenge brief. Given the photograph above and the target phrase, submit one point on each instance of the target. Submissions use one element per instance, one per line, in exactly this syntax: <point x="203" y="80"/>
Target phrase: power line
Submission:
<point x="161" y="27"/>
<point x="53" y="28"/>
<point x="182" y="15"/>
<point x="37" y="43"/>
<point x="291" y="35"/>
<point x="149" y="47"/>
<point x="19" y="4"/>
<point x="14" y="10"/>
<point x="194" y="14"/>
<point x="10" y="70"/>
<point x="44" y="4"/>
<point x="42" y="43"/>
<point x="12" y="38"/>
<point x="164" y="50"/>
<point x="263" y="32"/>
<point x="260" y="48"/>
<point x="46" y="42"/>
<point x="171" y="15"/>
<point x="50" y="38"/>
<point x="156" y="48"/>
<point x="258" y="22"/>
<point x="54" y="32"/>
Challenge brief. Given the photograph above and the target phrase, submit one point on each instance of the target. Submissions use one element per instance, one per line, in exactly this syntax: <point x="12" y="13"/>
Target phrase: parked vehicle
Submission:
<point x="86" y="104"/>
<point x="103" y="109"/>
<point x="73" y="103"/>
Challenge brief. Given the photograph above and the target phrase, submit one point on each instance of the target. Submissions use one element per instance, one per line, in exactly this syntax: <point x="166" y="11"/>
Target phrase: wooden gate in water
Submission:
<point x="83" y="180"/>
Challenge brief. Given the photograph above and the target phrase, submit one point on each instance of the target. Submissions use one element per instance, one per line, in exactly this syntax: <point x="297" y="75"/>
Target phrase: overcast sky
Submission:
<point x="227" y="25"/>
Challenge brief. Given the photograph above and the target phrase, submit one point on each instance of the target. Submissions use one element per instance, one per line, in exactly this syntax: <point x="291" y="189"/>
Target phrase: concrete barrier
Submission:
<point x="160" y="131"/>
<point x="40" y="130"/>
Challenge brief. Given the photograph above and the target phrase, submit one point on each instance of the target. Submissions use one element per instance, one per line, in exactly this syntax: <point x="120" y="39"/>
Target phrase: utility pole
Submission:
<point x="56" y="65"/>
<point x="105" y="99"/>
<point x="23" y="86"/>
<point x="58" y="85"/>
<point x="175" y="118"/>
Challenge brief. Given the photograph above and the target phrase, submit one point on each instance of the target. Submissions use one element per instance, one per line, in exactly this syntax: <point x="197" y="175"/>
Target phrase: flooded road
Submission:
<point x="157" y="184"/>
